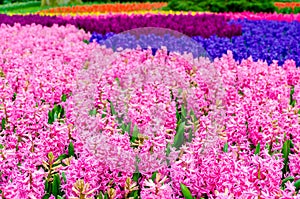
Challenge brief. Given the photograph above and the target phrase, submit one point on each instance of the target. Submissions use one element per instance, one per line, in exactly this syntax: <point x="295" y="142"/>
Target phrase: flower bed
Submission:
<point x="263" y="16"/>
<point x="264" y="40"/>
<point x="204" y="25"/>
<point x="105" y="8"/>
<point x="82" y="121"/>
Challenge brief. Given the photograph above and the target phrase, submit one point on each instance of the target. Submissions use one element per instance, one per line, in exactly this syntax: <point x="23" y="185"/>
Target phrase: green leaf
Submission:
<point x="50" y="117"/>
<point x="123" y="127"/>
<point x="61" y="157"/>
<point x="153" y="177"/>
<point x="1" y="146"/>
<point x="257" y="149"/>
<point x="134" y="194"/>
<point x="55" y="116"/>
<point x="293" y="103"/>
<point x="112" y="109"/>
<point x="56" y="113"/>
<point x="63" y="98"/>
<point x="106" y="196"/>
<point x="3" y="123"/>
<point x="100" y="195"/>
<point x="190" y="135"/>
<point x="59" y="197"/>
<point x="63" y="175"/>
<point x="183" y="111"/>
<point x="55" y="185"/>
<point x="290" y="178"/>
<point x="86" y="41"/>
<point x="136" y="176"/>
<point x="292" y="90"/>
<point x="46" y="196"/>
<point x="104" y="114"/>
<point x="185" y="191"/>
<point x="192" y="114"/>
<point x="225" y="148"/>
<point x="168" y="150"/>
<point x="135" y="133"/>
<point x="118" y="81"/>
<point x="178" y="115"/>
<point x="47" y="187"/>
<point x="62" y="112"/>
<point x="297" y="185"/>
<point x="128" y="127"/>
<point x="92" y="112"/>
<point x="71" y="149"/>
<point x="179" y="137"/>
<point x="14" y="97"/>
<point x="286" y="149"/>
<point x="240" y="92"/>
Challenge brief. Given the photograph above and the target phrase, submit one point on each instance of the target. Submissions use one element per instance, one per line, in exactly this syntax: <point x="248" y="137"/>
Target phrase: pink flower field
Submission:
<point x="80" y="121"/>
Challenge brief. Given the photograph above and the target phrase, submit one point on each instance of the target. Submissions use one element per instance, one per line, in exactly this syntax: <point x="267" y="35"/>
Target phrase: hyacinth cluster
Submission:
<point x="263" y="16"/>
<point x="261" y="39"/>
<point x="154" y="37"/>
<point x="204" y="25"/>
<point x="84" y="121"/>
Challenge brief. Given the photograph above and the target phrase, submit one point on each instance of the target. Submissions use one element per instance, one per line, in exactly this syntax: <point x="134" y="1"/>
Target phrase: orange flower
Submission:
<point x="292" y="5"/>
<point x="105" y="8"/>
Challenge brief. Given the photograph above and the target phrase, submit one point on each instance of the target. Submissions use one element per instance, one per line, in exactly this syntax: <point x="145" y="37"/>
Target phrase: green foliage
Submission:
<point x="289" y="178"/>
<point x="63" y="175"/>
<point x="122" y="1"/>
<point x="136" y="177"/>
<point x="86" y="41"/>
<point x="93" y="112"/>
<point x="64" y="98"/>
<point x="296" y="10"/>
<point x="286" y="149"/>
<point x="221" y="6"/>
<point x="71" y="149"/>
<point x="284" y="10"/>
<point x="257" y="149"/>
<point x="297" y="185"/>
<point x="29" y="6"/>
<point x="225" y="148"/>
<point x="292" y="100"/>
<point x="18" y="6"/>
<point x="3" y="123"/>
<point x="179" y="137"/>
<point x="185" y="191"/>
<point x="135" y="133"/>
<point x="112" y="109"/>
<point x="153" y="177"/>
<point x="57" y="112"/>
<point x="56" y="185"/>
<point x="14" y="97"/>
